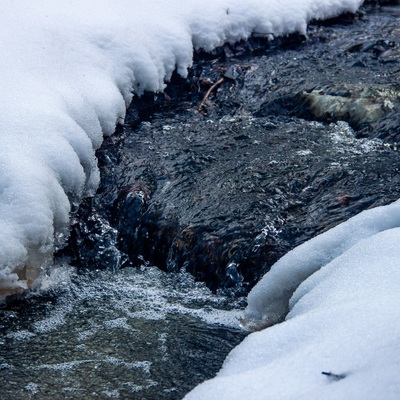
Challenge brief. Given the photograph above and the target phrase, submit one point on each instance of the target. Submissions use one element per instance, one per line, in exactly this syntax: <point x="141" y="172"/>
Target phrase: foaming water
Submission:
<point x="137" y="334"/>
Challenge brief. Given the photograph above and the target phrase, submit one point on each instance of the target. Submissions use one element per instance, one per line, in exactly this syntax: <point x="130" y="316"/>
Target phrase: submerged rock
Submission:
<point x="360" y="106"/>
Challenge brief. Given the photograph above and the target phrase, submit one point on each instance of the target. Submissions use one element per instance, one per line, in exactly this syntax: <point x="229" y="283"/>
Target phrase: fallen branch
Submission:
<point x="216" y="84"/>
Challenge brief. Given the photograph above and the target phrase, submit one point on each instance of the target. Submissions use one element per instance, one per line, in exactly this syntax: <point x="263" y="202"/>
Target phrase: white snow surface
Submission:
<point x="68" y="70"/>
<point x="339" y="297"/>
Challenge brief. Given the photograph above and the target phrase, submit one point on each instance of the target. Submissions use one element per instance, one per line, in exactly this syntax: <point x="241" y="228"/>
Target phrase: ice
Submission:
<point x="69" y="70"/>
<point x="337" y="295"/>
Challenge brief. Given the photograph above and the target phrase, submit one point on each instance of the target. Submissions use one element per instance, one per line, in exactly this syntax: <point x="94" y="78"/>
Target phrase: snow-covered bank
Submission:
<point x="68" y="72"/>
<point x="341" y="291"/>
<point x="272" y="297"/>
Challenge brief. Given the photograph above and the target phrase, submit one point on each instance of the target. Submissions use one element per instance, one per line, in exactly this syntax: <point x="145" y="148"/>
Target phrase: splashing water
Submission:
<point x="139" y="333"/>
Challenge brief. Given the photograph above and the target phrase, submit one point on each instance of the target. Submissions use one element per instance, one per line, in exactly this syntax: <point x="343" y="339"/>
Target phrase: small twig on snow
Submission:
<point x="336" y="377"/>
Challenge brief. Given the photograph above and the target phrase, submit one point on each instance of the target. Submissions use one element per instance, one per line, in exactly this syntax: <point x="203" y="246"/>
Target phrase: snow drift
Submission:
<point x="338" y="297"/>
<point x="69" y="70"/>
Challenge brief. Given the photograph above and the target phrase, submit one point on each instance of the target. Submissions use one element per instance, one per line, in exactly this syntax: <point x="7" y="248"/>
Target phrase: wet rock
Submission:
<point x="391" y="55"/>
<point x="223" y="193"/>
<point x="386" y="128"/>
<point x="338" y="64"/>
<point x="231" y="196"/>
<point x="358" y="105"/>
<point x="93" y="241"/>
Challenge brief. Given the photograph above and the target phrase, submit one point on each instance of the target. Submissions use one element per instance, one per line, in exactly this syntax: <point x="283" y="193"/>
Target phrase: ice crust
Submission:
<point x="69" y="70"/>
<point x="338" y="296"/>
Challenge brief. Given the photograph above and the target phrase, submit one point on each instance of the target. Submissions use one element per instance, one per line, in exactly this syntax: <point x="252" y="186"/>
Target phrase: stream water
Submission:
<point x="137" y="334"/>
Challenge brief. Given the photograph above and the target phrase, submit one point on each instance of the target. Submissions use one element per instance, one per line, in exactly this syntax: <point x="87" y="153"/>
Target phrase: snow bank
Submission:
<point x="68" y="70"/>
<point x="341" y="292"/>
<point x="269" y="300"/>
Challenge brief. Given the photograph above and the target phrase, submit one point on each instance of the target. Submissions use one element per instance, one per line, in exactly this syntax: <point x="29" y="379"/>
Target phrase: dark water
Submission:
<point x="137" y="334"/>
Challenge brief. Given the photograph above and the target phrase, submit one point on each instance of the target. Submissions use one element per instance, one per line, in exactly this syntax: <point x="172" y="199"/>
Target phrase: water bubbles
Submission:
<point x="118" y="323"/>
<point x="119" y="333"/>
<point x="32" y="387"/>
<point x="114" y="394"/>
<point x="20" y="335"/>
<point x="51" y="323"/>
<point x="145" y="124"/>
<point x="306" y="152"/>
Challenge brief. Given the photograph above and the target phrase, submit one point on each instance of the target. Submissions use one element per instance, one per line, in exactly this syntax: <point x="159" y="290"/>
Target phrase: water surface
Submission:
<point x="138" y="334"/>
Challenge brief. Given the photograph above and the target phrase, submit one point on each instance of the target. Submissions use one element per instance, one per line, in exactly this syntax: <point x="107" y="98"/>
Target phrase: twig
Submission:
<point x="216" y="84"/>
<point x="336" y="377"/>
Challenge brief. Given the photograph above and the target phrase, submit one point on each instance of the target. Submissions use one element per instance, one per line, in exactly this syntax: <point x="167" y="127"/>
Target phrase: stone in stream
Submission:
<point x="233" y="195"/>
<point x="358" y="105"/>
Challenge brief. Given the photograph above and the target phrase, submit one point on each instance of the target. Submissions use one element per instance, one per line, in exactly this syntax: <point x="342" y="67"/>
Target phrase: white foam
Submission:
<point x="21" y="335"/>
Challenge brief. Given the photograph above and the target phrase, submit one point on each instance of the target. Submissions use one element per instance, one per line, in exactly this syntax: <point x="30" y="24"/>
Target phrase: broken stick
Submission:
<point x="216" y="84"/>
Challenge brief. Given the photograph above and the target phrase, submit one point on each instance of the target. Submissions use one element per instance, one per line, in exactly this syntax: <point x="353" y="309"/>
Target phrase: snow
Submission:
<point x="338" y="297"/>
<point x="69" y="70"/>
<point x="268" y="302"/>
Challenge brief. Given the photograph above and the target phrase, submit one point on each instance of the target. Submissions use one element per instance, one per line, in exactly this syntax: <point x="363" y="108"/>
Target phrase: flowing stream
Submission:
<point x="235" y="187"/>
<point x="139" y="334"/>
